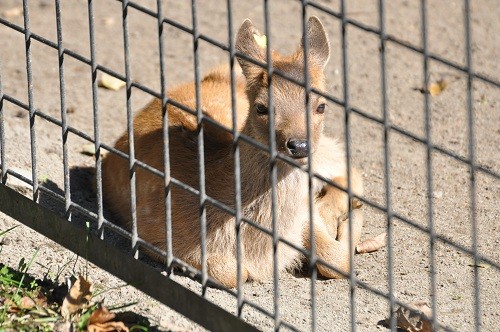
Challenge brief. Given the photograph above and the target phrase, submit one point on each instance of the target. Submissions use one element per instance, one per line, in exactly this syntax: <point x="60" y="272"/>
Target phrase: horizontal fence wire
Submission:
<point x="274" y="156"/>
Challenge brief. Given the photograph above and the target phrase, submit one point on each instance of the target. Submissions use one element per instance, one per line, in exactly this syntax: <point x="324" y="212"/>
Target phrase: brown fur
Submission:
<point x="292" y="183"/>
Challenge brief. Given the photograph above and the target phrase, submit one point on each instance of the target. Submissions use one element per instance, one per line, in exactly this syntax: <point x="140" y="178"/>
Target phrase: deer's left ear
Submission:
<point x="317" y="40"/>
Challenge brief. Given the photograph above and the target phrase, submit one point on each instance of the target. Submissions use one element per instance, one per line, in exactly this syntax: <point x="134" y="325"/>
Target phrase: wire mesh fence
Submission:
<point x="414" y="103"/>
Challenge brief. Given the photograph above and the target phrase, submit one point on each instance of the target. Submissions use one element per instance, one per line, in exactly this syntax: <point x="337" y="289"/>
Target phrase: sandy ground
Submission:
<point x="408" y="186"/>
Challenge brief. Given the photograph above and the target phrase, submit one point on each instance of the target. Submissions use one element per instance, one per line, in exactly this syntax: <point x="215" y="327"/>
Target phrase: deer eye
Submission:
<point x="261" y="109"/>
<point x="321" y="108"/>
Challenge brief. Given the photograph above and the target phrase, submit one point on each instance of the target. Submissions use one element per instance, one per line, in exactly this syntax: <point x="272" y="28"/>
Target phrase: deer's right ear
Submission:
<point x="246" y="43"/>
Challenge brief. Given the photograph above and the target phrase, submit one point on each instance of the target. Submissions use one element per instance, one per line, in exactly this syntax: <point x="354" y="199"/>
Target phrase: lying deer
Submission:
<point x="292" y="191"/>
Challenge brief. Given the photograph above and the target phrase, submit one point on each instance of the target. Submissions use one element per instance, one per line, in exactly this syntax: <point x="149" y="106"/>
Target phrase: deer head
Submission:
<point x="288" y="97"/>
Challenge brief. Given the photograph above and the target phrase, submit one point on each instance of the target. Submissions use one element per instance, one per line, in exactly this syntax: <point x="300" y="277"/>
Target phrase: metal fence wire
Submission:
<point x="476" y="171"/>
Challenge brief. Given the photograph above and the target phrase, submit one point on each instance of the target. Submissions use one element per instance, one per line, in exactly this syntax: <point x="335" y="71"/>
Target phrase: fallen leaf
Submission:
<point x="438" y="87"/>
<point x="261" y="40"/>
<point x="111" y="82"/>
<point x="107" y="327"/>
<point x="416" y="318"/>
<point x="13" y="12"/>
<point x="372" y="244"/>
<point x="43" y="178"/>
<point x="12" y="307"/>
<point x="41" y="300"/>
<point x="101" y="315"/>
<point x="356" y="203"/>
<point x="78" y="296"/>
<point x="101" y="321"/>
<point x="26" y="303"/>
<point x="89" y="150"/>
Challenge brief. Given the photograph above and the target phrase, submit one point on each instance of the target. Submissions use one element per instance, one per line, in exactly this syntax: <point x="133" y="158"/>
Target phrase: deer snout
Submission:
<point x="298" y="148"/>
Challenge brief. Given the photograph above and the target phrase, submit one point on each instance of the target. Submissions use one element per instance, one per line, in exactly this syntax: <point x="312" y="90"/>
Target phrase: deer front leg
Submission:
<point x="331" y="229"/>
<point x="333" y="207"/>
<point x="332" y="251"/>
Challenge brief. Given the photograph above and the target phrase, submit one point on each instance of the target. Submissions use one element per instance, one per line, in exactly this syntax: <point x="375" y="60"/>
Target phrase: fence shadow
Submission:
<point x="83" y="193"/>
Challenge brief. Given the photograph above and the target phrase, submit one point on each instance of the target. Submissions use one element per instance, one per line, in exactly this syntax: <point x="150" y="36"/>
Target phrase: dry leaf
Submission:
<point x="356" y="203"/>
<point x="261" y="40"/>
<point x="111" y="82"/>
<point x="372" y="244"/>
<point x="101" y="315"/>
<point x="41" y="300"/>
<point x="438" y="87"/>
<point x="107" y="327"/>
<point x="13" y="12"/>
<point x="101" y="321"/>
<point x="89" y="150"/>
<point x="26" y="303"/>
<point x="78" y="295"/>
<point x="415" y="319"/>
<point x="12" y="307"/>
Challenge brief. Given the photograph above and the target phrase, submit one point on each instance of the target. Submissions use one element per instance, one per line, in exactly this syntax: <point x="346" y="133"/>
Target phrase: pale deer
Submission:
<point x="291" y="188"/>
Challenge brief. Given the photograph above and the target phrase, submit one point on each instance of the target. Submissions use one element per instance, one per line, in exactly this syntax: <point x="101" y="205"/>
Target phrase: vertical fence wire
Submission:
<point x="428" y="131"/>
<point x="95" y="118"/>
<point x="236" y="156"/>
<point x="307" y="107"/>
<point x="347" y="137"/>
<point x="3" y="168"/>
<point x="273" y="171"/>
<point x="64" y="124"/>
<point x="31" y="103"/>
<point x="130" y="130"/>
<point x="166" y="140"/>
<point x="387" y="169"/>
<point x="201" y="151"/>
<point x="472" y="164"/>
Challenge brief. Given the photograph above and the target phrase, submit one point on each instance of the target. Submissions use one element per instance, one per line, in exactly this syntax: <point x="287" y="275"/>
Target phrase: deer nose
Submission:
<point x="298" y="148"/>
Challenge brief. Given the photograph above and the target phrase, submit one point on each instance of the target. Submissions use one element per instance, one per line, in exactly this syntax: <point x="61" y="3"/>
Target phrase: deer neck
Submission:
<point x="256" y="170"/>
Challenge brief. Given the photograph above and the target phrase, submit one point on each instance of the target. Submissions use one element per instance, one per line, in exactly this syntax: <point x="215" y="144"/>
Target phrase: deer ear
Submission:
<point x="246" y="43"/>
<point x="319" y="47"/>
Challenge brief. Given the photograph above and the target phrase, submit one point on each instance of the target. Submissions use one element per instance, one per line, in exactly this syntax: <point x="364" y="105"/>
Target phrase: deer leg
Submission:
<point x="224" y="269"/>
<point x="331" y="230"/>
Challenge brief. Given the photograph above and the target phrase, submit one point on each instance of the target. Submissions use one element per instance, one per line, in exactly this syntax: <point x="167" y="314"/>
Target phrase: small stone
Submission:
<point x="437" y="194"/>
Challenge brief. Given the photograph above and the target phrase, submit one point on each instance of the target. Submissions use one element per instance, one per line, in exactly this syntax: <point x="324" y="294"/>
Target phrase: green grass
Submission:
<point x="29" y="304"/>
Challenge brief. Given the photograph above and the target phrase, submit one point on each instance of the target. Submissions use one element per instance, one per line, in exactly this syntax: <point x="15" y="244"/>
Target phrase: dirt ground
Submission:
<point x="454" y="289"/>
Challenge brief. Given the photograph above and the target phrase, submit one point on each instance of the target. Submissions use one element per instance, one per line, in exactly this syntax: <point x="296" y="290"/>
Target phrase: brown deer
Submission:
<point x="328" y="159"/>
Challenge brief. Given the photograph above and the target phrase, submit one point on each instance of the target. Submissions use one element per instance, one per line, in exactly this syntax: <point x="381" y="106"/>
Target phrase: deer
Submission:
<point x="332" y="242"/>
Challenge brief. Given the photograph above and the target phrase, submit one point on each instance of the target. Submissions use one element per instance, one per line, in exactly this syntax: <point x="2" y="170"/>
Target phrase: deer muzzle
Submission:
<point x="297" y="148"/>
